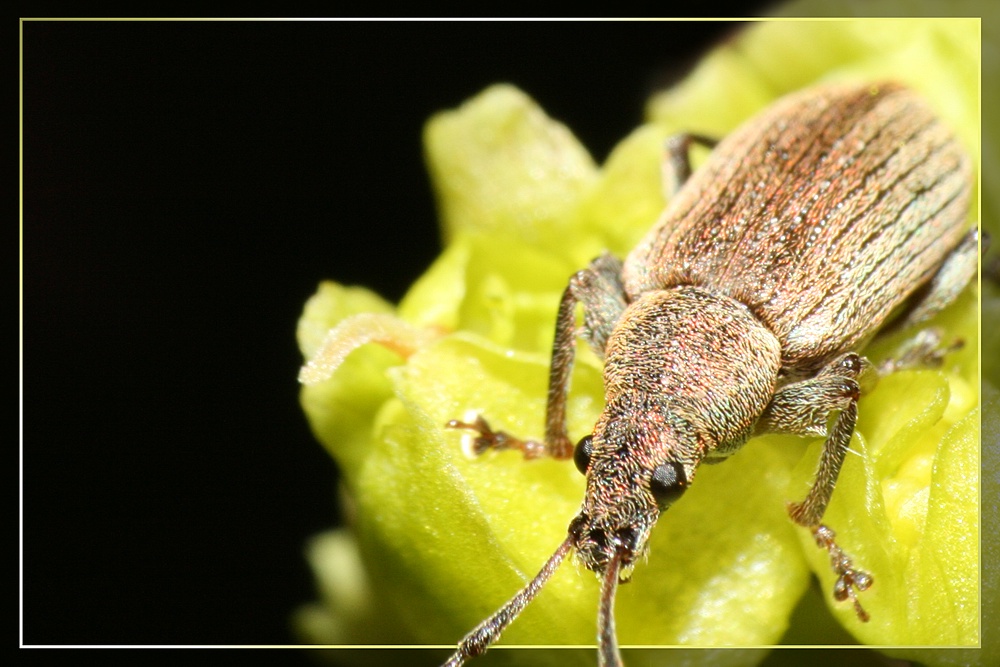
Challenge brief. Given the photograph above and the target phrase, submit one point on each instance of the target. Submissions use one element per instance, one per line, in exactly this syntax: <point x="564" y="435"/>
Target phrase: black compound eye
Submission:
<point x="668" y="483"/>
<point x="581" y="455"/>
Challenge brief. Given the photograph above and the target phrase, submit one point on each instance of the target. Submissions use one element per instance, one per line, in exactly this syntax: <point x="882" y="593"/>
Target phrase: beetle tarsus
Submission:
<point x="485" y="438"/>
<point x="850" y="581"/>
<point x="924" y="350"/>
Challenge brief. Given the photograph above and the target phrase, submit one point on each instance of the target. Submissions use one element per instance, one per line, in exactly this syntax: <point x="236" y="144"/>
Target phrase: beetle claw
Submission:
<point x="483" y="438"/>
<point x="850" y="581"/>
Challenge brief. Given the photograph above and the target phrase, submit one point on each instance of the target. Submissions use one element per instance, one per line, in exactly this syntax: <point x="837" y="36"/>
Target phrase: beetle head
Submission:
<point x="632" y="476"/>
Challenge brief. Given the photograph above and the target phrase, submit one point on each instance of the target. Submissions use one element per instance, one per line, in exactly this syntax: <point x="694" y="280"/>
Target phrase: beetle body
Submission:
<point x="821" y="215"/>
<point x="807" y="227"/>
<point x="743" y="311"/>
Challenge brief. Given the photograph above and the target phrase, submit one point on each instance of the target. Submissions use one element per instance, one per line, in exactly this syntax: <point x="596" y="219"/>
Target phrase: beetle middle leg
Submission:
<point x="599" y="289"/>
<point x="957" y="270"/>
<point x="803" y="408"/>
<point x="926" y="348"/>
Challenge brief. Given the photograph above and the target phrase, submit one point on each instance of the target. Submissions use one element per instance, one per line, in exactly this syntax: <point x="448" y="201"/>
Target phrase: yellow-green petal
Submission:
<point x="501" y="167"/>
<point x="446" y="540"/>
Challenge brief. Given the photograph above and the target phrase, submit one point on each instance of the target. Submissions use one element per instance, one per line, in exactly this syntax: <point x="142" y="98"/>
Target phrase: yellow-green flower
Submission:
<point x="438" y="541"/>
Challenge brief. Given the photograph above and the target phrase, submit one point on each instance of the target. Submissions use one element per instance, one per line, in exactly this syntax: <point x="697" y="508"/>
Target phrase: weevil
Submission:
<point x="834" y="214"/>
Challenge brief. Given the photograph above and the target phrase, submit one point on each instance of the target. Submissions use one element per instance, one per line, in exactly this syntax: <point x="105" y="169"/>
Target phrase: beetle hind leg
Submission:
<point x="676" y="166"/>
<point x="925" y="349"/>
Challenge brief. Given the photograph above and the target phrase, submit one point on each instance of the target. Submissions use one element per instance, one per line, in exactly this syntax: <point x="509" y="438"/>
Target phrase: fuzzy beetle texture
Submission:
<point x="833" y="213"/>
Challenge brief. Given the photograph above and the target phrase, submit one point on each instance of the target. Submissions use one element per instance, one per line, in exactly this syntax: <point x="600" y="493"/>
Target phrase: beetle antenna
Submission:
<point x="607" y="654"/>
<point x="476" y="642"/>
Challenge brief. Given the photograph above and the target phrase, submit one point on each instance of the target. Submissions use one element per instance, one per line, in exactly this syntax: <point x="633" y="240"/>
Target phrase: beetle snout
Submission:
<point x="596" y="545"/>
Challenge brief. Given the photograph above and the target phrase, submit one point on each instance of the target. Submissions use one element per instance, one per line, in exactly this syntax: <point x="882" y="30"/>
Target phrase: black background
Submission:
<point x="186" y="186"/>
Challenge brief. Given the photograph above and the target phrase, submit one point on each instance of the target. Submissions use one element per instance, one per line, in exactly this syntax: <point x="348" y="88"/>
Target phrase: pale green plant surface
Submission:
<point x="445" y="540"/>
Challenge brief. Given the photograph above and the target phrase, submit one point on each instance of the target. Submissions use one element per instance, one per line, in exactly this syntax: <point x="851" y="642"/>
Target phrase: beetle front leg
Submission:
<point x="803" y="408"/>
<point x="809" y="512"/>
<point x="557" y="443"/>
<point x="599" y="289"/>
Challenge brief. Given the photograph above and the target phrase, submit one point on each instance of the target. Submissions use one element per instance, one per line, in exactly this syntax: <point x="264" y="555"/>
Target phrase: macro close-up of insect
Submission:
<point x="742" y="313"/>
<point x="837" y="213"/>
<point x="659" y="342"/>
